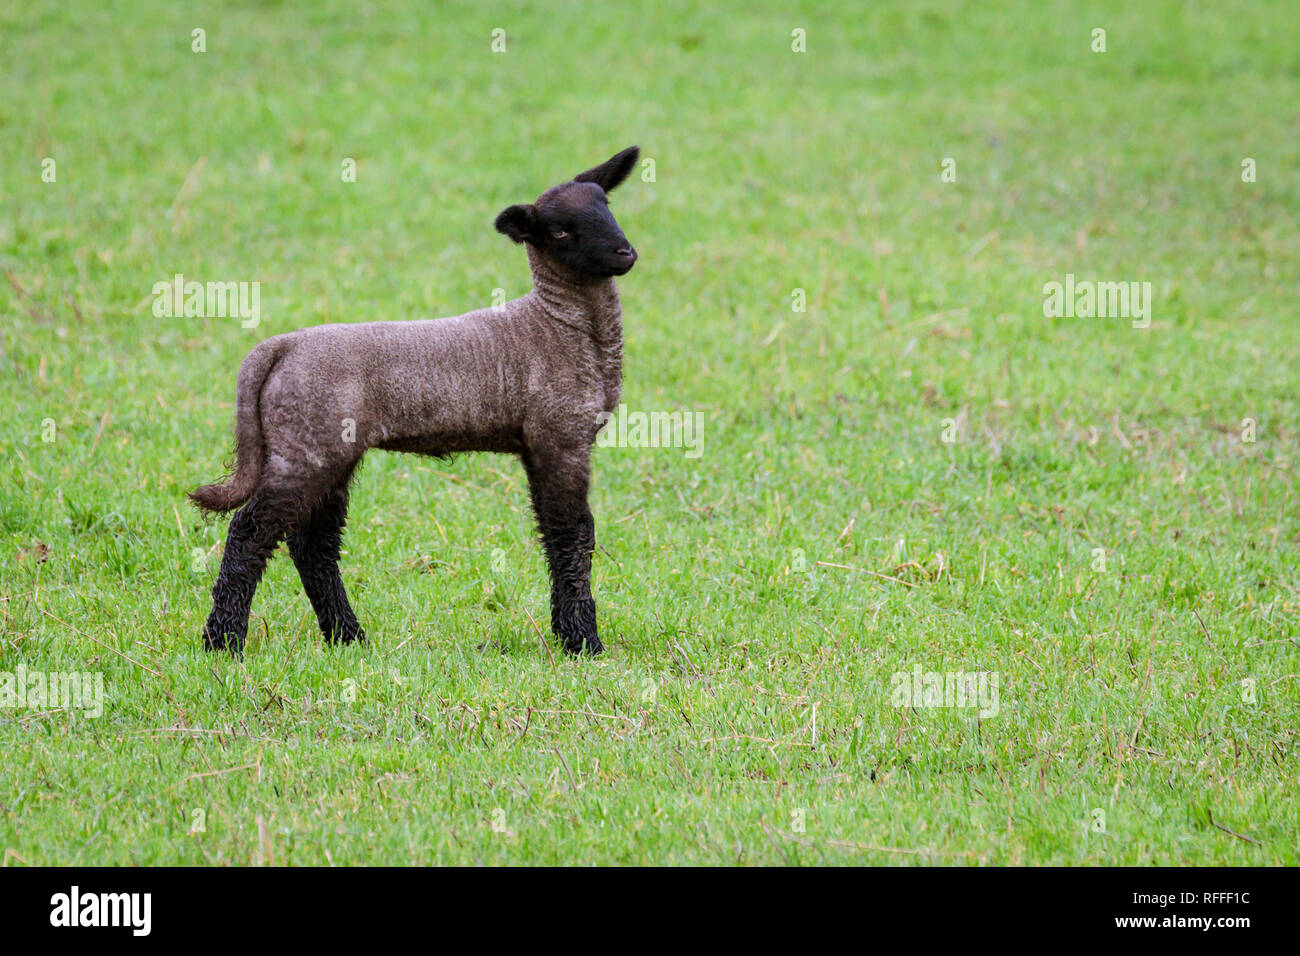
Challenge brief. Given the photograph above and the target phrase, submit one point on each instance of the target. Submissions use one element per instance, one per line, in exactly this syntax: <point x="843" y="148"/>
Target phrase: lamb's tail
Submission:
<point x="233" y="491"/>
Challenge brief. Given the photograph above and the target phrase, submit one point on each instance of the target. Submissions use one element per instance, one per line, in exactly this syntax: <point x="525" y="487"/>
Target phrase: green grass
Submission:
<point x="693" y="738"/>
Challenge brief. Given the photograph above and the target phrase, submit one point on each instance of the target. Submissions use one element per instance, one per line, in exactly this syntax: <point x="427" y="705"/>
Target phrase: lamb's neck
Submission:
<point x="593" y="307"/>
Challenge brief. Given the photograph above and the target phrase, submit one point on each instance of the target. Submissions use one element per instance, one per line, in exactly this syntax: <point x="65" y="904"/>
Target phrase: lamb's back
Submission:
<point x="428" y="385"/>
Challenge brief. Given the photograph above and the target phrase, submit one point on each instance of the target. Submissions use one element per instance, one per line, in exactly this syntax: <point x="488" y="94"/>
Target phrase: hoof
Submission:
<point x="575" y="623"/>
<point x="215" y="643"/>
<point x="578" y="647"/>
<point x="355" y="635"/>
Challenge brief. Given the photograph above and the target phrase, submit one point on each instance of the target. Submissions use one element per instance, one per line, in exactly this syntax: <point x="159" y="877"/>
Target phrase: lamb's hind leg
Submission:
<point x="315" y="550"/>
<point x="254" y="533"/>
<point x="558" y="483"/>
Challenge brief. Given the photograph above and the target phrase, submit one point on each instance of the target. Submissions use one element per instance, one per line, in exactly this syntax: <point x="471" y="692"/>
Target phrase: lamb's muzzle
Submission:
<point x="531" y="378"/>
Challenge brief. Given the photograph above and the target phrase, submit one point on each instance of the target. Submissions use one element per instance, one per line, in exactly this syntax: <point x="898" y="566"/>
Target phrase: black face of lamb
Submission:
<point x="571" y="223"/>
<point x="576" y="229"/>
<point x="293" y="472"/>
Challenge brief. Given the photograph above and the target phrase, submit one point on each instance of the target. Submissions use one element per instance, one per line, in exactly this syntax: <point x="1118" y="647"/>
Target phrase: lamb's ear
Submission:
<point x="517" y="222"/>
<point x="612" y="171"/>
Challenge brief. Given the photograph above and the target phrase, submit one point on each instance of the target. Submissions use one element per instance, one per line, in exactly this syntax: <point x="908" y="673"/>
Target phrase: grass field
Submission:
<point x="920" y="470"/>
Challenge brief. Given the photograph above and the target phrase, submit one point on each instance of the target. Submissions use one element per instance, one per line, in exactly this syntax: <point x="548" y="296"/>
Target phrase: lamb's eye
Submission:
<point x="558" y="233"/>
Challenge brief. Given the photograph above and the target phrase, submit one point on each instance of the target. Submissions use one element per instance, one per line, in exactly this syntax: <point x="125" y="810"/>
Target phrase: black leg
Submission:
<point x="559" y="490"/>
<point x="254" y="533"/>
<point x="315" y="550"/>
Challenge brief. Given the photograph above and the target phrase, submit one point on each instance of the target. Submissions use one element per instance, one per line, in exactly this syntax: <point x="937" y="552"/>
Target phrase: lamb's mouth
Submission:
<point x="625" y="264"/>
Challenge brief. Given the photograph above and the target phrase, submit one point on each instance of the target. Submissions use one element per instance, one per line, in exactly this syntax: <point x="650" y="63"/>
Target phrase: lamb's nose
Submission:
<point x="627" y="252"/>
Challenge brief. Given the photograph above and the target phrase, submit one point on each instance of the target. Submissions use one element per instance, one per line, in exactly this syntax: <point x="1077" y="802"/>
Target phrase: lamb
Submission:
<point x="530" y="378"/>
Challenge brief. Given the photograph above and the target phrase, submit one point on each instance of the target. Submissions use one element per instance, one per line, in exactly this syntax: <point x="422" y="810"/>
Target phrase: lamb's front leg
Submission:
<point x="558" y="482"/>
